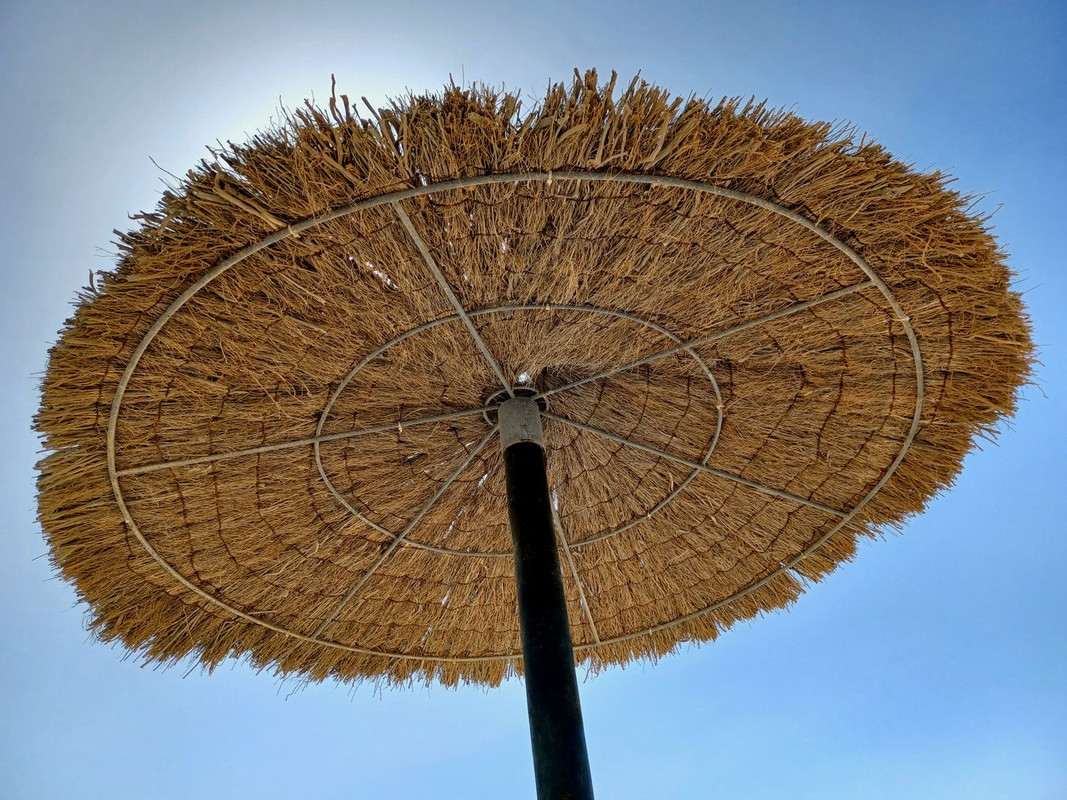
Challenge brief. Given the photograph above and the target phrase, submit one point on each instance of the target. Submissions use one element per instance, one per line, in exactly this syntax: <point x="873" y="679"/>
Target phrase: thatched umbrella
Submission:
<point x="739" y="340"/>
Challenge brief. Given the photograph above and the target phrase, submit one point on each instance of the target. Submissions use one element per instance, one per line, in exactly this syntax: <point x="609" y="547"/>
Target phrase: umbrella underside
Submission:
<point x="273" y="432"/>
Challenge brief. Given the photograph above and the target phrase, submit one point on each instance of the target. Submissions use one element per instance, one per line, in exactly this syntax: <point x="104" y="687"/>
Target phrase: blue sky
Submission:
<point x="932" y="666"/>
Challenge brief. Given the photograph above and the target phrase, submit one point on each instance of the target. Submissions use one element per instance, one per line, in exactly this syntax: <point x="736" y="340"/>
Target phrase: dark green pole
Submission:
<point x="561" y="763"/>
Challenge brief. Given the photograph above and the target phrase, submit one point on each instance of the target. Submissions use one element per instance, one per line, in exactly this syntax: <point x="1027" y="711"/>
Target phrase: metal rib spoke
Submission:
<point x="403" y="534"/>
<point x="577" y="580"/>
<point x="744" y="326"/>
<point x="447" y="288"/>
<point x="270" y="448"/>
<point x="729" y="476"/>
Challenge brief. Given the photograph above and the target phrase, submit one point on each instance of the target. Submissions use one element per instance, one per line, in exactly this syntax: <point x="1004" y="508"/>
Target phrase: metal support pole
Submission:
<point x="561" y="763"/>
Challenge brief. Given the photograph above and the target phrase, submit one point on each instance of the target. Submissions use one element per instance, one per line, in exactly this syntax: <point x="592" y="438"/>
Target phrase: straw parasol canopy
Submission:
<point x="270" y="431"/>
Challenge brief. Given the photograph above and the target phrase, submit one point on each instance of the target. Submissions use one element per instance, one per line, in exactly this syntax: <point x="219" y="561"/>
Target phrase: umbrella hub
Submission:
<point x="520" y="421"/>
<point x="492" y="406"/>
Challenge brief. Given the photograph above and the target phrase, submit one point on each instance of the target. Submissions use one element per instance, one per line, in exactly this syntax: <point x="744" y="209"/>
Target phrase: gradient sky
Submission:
<point x="933" y="666"/>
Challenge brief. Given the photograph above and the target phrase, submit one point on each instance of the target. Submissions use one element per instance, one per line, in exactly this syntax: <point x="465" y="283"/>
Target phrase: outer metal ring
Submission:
<point x="487" y="180"/>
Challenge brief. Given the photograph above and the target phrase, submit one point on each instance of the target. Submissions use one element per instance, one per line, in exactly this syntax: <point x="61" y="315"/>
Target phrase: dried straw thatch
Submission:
<point x="240" y="460"/>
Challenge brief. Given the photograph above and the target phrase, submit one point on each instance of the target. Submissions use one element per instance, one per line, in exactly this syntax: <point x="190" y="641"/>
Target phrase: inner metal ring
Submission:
<point x="502" y="395"/>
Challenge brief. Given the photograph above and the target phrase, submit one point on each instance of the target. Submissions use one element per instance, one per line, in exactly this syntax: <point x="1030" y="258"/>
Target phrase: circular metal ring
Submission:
<point x="488" y="180"/>
<point x="504" y="394"/>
